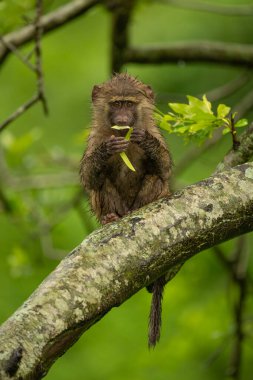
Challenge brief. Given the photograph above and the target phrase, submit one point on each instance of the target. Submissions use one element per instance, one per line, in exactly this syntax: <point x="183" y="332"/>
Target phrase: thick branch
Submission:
<point x="116" y="261"/>
<point x="49" y="22"/>
<point x="199" y="51"/>
<point x="121" y="17"/>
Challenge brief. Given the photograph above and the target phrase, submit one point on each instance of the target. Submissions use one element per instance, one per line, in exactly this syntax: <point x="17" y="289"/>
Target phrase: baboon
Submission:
<point x="114" y="190"/>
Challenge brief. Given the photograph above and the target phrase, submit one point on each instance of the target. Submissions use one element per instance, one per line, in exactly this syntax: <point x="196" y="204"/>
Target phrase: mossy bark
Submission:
<point x="116" y="261"/>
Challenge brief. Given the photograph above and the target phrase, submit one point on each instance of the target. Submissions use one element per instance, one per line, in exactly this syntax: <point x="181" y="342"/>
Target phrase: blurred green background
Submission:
<point x="44" y="223"/>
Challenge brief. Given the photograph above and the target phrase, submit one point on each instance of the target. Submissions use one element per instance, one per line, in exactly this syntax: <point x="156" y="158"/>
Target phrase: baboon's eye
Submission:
<point x="129" y="104"/>
<point x="116" y="104"/>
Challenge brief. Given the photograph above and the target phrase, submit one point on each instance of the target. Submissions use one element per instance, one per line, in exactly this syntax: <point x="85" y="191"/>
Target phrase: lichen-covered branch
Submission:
<point x="116" y="261"/>
<point x="199" y="51"/>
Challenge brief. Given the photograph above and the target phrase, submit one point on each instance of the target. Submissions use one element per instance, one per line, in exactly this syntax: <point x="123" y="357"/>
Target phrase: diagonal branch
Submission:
<point x="19" y="111"/>
<point x="49" y="22"/>
<point x="17" y="53"/>
<point x="38" y="70"/>
<point x="95" y="277"/>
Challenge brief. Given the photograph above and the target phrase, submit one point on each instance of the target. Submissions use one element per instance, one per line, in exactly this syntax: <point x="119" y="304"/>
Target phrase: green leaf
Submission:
<point x="166" y="126"/>
<point x="197" y="127"/>
<point x="179" y="108"/>
<point x="241" y="123"/>
<point x="128" y="135"/>
<point x="198" y="105"/>
<point x="127" y="161"/>
<point x="207" y="104"/>
<point x="181" y="129"/>
<point x="222" y="110"/>
<point x="120" y="127"/>
<point x="169" y="117"/>
<point x="226" y="131"/>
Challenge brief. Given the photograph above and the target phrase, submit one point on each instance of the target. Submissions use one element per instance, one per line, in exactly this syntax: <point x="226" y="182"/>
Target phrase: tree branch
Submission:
<point x="121" y="12"/>
<point x="196" y="51"/>
<point x="222" y="9"/>
<point x="49" y="22"/>
<point x="19" y="111"/>
<point x="95" y="277"/>
<point x="38" y="63"/>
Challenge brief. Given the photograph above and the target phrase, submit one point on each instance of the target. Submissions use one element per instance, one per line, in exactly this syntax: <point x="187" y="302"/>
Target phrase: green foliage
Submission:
<point x="196" y="120"/>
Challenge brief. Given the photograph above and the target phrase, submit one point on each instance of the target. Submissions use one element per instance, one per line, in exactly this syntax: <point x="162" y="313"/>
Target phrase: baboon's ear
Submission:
<point x="95" y="92"/>
<point x="149" y="92"/>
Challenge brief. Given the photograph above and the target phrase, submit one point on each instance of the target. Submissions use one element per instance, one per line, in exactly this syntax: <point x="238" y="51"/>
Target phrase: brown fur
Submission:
<point x="114" y="190"/>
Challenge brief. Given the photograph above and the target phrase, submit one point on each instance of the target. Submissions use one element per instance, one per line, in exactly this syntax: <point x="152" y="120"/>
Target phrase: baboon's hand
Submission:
<point x="116" y="145"/>
<point x="138" y="136"/>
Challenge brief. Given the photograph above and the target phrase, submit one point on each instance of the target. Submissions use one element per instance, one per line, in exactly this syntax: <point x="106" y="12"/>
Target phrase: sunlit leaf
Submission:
<point x="198" y="105"/>
<point x="128" y="135"/>
<point x="207" y="104"/>
<point x="241" y="123"/>
<point x="226" y="130"/>
<point x="179" y="108"/>
<point x="127" y="161"/>
<point x="223" y="110"/>
<point x="120" y="127"/>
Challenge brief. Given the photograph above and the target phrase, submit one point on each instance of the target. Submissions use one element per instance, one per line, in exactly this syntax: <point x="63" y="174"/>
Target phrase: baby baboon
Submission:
<point x="114" y="190"/>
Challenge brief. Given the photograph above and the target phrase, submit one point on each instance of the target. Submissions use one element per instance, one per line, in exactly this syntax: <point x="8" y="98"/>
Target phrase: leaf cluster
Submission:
<point x="196" y="120"/>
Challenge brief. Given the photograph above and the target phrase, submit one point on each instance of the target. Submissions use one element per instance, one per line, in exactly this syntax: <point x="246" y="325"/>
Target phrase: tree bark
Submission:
<point x="116" y="261"/>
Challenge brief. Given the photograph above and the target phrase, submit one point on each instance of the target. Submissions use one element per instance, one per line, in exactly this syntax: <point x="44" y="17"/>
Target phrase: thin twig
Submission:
<point x="17" y="53"/>
<point x="38" y="64"/>
<point x="236" y="142"/>
<point x="40" y="96"/>
<point x="19" y="111"/>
